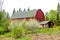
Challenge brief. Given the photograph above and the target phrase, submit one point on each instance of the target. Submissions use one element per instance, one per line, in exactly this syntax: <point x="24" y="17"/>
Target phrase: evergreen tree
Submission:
<point x="13" y="10"/>
<point x="46" y="16"/>
<point x="20" y="10"/>
<point x="24" y="9"/>
<point x="8" y="15"/>
<point x="1" y="16"/>
<point x="28" y="9"/>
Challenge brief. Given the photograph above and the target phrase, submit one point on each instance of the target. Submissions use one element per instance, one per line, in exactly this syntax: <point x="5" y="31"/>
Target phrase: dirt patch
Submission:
<point x="46" y="37"/>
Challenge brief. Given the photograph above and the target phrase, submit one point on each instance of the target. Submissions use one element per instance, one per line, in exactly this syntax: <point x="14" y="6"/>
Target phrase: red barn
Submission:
<point x="30" y="14"/>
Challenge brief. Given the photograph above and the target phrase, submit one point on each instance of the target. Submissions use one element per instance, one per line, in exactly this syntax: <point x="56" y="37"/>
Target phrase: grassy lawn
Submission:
<point x="48" y="31"/>
<point x="24" y="38"/>
<point x="55" y="30"/>
<point x="4" y="37"/>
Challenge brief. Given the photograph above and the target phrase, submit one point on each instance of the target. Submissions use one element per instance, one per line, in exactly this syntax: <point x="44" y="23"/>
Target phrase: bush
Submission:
<point x="2" y="30"/>
<point x="17" y="29"/>
<point x="4" y="25"/>
<point x="4" y="22"/>
<point x="31" y="26"/>
<point x="20" y="28"/>
<point x="18" y="32"/>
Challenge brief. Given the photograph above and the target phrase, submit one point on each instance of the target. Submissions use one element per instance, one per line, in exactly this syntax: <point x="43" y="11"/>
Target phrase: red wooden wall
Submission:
<point x="40" y="15"/>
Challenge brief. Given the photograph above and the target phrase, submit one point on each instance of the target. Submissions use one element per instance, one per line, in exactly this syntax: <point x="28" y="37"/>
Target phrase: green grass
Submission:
<point x="48" y="31"/>
<point x="24" y="38"/>
<point x="55" y="30"/>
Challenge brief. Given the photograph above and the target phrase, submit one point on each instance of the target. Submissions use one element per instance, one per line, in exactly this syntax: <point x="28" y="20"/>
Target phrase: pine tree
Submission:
<point x="13" y="10"/>
<point x="20" y="10"/>
<point x="46" y="16"/>
<point x="8" y="15"/>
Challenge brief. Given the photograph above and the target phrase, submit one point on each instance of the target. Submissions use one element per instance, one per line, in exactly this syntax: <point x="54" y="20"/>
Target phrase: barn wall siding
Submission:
<point x="21" y="19"/>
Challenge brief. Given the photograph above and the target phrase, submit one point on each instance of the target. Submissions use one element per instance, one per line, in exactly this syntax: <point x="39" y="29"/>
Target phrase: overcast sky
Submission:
<point x="45" y="5"/>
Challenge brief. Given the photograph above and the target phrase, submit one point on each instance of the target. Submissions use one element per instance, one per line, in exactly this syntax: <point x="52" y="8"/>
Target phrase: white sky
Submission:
<point x="45" y="5"/>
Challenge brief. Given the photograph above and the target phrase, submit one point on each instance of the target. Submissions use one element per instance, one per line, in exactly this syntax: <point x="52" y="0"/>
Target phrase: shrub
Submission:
<point x="2" y="30"/>
<point x="18" y="32"/>
<point x="20" y="28"/>
<point x="25" y="26"/>
<point x="4" y="25"/>
<point x="31" y="26"/>
<point x="17" y="29"/>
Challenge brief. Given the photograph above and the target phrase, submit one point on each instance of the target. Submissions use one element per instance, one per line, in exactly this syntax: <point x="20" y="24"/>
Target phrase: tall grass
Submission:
<point x="21" y="28"/>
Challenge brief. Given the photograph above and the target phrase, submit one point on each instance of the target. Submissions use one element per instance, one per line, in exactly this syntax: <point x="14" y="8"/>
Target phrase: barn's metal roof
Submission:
<point x="24" y="14"/>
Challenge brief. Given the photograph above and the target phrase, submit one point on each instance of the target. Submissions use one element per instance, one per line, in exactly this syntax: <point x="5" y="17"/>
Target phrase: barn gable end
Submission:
<point x="39" y="15"/>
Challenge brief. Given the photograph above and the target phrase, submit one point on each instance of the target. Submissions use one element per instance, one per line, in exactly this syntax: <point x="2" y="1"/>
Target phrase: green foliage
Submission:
<point x="13" y="10"/>
<point x="52" y="15"/>
<point x="17" y="29"/>
<point x="8" y="15"/>
<point x="2" y="30"/>
<point x="44" y="30"/>
<point x="55" y="30"/>
<point x="1" y="15"/>
<point x="18" y="32"/>
<point x="30" y="26"/>
<point x="25" y="27"/>
<point x="46" y="16"/>
<point x="4" y="22"/>
<point x="25" y="38"/>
